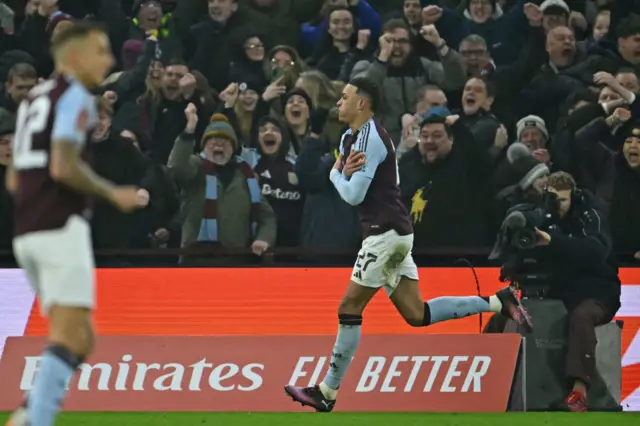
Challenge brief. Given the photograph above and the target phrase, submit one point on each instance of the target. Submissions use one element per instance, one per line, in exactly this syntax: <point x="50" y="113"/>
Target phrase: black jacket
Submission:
<point x="581" y="257"/>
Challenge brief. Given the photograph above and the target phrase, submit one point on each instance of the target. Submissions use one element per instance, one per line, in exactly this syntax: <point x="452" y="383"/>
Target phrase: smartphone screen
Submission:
<point x="277" y="73"/>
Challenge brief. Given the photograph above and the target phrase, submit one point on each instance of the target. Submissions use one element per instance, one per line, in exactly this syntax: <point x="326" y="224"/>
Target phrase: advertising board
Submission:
<point x="276" y="301"/>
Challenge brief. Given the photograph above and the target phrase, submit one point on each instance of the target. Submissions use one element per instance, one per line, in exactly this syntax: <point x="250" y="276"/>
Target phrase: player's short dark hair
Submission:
<point x="22" y="71"/>
<point x="437" y="119"/>
<point x="367" y="89"/>
<point x="78" y="29"/>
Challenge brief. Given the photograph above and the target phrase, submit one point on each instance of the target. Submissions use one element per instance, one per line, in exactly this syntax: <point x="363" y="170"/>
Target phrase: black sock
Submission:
<point x="68" y="357"/>
<point x="427" y="315"/>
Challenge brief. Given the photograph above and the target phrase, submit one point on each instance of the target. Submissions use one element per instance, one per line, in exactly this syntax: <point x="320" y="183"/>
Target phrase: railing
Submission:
<point x="292" y="256"/>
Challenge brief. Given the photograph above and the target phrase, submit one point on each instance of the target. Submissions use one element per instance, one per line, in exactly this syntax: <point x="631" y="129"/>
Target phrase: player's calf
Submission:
<point x="71" y="341"/>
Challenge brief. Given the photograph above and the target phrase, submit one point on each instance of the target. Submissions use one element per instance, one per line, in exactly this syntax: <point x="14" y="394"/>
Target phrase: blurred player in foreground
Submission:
<point x="52" y="184"/>
<point x="369" y="179"/>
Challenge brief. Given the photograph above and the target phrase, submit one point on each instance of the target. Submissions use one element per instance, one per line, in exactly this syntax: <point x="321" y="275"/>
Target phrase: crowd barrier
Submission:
<point x="273" y="326"/>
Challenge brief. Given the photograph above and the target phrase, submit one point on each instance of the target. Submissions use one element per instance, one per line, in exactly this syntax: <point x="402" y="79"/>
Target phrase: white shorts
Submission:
<point x="383" y="260"/>
<point x="59" y="264"/>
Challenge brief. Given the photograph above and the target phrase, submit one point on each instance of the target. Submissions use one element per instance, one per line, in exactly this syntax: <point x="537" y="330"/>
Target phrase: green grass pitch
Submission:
<point x="345" y="419"/>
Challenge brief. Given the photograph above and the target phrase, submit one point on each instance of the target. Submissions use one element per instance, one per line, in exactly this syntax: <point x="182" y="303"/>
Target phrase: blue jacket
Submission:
<point x="366" y="18"/>
<point x="504" y="35"/>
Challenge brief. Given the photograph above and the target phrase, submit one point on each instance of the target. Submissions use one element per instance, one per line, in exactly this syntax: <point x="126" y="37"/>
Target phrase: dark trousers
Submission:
<point x="581" y="338"/>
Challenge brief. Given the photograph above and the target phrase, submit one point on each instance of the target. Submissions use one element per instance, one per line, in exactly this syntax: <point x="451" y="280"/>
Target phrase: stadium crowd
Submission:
<point x="224" y="110"/>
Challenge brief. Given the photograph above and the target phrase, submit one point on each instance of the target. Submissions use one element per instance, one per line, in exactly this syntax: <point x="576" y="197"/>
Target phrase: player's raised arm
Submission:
<point x="354" y="190"/>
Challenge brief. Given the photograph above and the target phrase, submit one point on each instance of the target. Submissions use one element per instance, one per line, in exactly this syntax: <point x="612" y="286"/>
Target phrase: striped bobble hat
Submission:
<point x="219" y="126"/>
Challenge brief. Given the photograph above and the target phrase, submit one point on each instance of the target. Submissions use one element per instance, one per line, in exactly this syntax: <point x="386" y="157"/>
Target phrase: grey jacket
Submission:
<point x="399" y="94"/>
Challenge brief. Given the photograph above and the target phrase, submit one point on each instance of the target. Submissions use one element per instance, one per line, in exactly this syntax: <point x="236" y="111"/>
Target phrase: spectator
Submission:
<point x="520" y="178"/>
<point x="365" y="18"/>
<point x="473" y="49"/>
<point x="568" y="70"/>
<point x="324" y="209"/>
<point x="477" y="99"/>
<point x="248" y="58"/>
<point x="139" y="64"/>
<point x="601" y="25"/>
<point x="283" y="61"/>
<point x="37" y="29"/>
<point x="340" y="39"/>
<point x="283" y="18"/>
<point x="21" y="79"/>
<point x="533" y="133"/>
<point x="412" y="15"/>
<point x="555" y="13"/>
<point x="222" y="205"/>
<point x="429" y="97"/>
<point x="565" y="149"/>
<point x="297" y="110"/>
<point x="628" y="49"/>
<point x="147" y="18"/>
<point x="7" y="128"/>
<point x="628" y="79"/>
<point x="216" y="33"/>
<point x="157" y="118"/>
<point x="503" y="32"/>
<point x="617" y="178"/>
<point x="240" y="107"/>
<point x="278" y="181"/>
<point x="117" y="160"/>
<point x="400" y="72"/>
<point x="447" y="161"/>
<point x="324" y="94"/>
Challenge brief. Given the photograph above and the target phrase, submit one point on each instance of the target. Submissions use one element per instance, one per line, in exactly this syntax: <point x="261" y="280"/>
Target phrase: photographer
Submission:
<point x="575" y="245"/>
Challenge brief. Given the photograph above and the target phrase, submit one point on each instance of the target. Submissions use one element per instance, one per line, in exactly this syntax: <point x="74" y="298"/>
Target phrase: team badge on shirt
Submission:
<point x="293" y="178"/>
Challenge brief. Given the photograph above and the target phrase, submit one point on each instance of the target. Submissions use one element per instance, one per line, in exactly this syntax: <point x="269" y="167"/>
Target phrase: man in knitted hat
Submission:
<point x="555" y="13"/>
<point x="520" y="178"/>
<point x="224" y="205"/>
<point x="532" y="132"/>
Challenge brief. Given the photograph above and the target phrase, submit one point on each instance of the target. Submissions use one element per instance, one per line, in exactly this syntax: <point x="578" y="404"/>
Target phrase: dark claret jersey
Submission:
<point x="382" y="208"/>
<point x="60" y="109"/>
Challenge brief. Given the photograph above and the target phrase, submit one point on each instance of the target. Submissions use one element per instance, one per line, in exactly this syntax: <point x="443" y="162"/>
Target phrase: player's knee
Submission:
<point x="72" y="328"/>
<point x="350" y="306"/>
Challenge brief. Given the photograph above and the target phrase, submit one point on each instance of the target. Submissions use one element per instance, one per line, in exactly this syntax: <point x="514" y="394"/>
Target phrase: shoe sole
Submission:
<point x="290" y="395"/>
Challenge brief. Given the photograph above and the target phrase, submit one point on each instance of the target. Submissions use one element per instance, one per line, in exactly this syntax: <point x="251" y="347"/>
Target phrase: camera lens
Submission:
<point x="524" y="239"/>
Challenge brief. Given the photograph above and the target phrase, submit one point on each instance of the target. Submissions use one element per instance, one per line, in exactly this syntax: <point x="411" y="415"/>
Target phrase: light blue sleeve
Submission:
<point x="72" y="116"/>
<point x="354" y="190"/>
<point x="374" y="153"/>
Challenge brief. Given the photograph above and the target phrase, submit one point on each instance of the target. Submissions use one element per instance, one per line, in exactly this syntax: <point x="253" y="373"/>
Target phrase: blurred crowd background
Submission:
<point x="224" y="110"/>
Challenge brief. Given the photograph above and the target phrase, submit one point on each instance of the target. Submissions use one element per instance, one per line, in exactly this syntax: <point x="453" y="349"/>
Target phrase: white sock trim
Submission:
<point x="328" y="392"/>
<point x="495" y="305"/>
